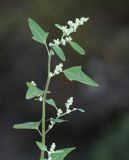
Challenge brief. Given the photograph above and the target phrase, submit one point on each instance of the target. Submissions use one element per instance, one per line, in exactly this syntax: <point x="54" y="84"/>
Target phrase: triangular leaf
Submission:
<point x="76" y="74"/>
<point x="33" y="91"/>
<point x="38" y="33"/>
<point x="51" y="102"/>
<point x="41" y="146"/>
<point x="77" y="47"/>
<point x="59" y="52"/>
<point x="27" y="125"/>
<point x="61" y="154"/>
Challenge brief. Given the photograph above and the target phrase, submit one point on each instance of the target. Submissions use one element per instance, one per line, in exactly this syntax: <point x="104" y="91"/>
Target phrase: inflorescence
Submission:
<point x="60" y="112"/>
<point x="58" y="70"/>
<point x="67" y="30"/>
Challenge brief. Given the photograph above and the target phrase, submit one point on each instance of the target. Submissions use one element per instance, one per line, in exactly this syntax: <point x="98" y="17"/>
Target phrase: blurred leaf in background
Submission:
<point x="114" y="145"/>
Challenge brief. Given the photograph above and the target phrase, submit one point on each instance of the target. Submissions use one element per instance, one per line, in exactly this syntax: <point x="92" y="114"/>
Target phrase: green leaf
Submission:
<point x="33" y="91"/>
<point x="59" y="52"/>
<point x="41" y="146"/>
<point x="58" y="26"/>
<point x="61" y="154"/>
<point x="38" y="33"/>
<point x="28" y="125"/>
<point x="77" y="47"/>
<point x="76" y="74"/>
<point x="58" y="120"/>
<point x="51" y="102"/>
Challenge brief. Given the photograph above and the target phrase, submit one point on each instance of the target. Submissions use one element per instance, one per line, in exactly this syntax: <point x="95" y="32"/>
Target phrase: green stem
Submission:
<point x="44" y="103"/>
<point x="58" y="118"/>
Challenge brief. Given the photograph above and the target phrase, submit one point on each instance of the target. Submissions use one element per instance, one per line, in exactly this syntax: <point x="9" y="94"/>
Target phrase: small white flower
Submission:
<point x="68" y="39"/>
<point x="56" y="72"/>
<point x="84" y="19"/>
<point x="40" y="98"/>
<point x="70" y="23"/>
<point x="59" y="112"/>
<point x="77" y="21"/>
<point x="67" y="33"/>
<point x="33" y="83"/>
<point x="63" y="42"/>
<point x="56" y="41"/>
<point x="81" y="22"/>
<point x="75" y="26"/>
<point x="61" y="64"/>
<point x="65" y="30"/>
<point x="53" y="146"/>
<point x="52" y="53"/>
<point x="51" y="44"/>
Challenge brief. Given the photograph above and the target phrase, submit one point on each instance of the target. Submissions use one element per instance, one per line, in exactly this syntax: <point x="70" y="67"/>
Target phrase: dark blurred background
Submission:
<point x="103" y="132"/>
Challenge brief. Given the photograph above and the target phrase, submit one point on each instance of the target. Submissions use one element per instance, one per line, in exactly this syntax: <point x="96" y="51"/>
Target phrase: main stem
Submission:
<point x="44" y="103"/>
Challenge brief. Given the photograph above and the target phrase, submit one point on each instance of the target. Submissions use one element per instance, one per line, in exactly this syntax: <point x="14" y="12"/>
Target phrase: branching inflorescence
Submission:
<point x="73" y="74"/>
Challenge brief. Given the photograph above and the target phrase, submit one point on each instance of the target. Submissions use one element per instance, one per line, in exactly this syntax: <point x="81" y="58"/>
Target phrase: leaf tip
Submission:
<point x="64" y="59"/>
<point x="26" y="97"/>
<point x="96" y="85"/>
<point x="37" y="142"/>
<point x="30" y="20"/>
<point x="83" y="53"/>
<point x="14" y="126"/>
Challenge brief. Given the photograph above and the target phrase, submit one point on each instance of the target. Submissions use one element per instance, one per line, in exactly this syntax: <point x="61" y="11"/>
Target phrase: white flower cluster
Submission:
<point x="65" y="40"/>
<point x="52" y="150"/>
<point x="33" y="83"/>
<point x="67" y="30"/>
<point x="73" y="26"/>
<point x="58" y="70"/>
<point x="58" y="42"/>
<point x="55" y="42"/>
<point x="68" y="104"/>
